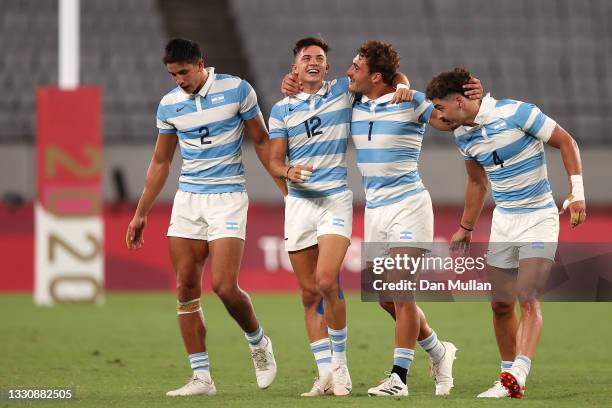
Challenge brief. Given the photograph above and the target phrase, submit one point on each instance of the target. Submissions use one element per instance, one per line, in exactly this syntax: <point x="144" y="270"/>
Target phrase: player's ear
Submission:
<point x="200" y="64"/>
<point x="460" y="101"/>
<point x="326" y="68"/>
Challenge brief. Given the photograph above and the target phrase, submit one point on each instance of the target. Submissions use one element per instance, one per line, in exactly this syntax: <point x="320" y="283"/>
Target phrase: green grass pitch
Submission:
<point x="129" y="353"/>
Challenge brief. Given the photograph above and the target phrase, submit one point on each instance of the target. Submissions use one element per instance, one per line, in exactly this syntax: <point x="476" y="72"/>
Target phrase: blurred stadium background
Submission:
<point x="554" y="53"/>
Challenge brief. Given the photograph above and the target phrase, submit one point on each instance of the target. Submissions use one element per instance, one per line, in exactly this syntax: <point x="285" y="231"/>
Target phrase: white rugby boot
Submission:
<point x="391" y="386"/>
<point x="263" y="360"/>
<point x="496" y="391"/>
<point x="514" y="382"/>
<point x="322" y="386"/>
<point x="442" y="371"/>
<point x="195" y="386"/>
<point x="341" y="380"/>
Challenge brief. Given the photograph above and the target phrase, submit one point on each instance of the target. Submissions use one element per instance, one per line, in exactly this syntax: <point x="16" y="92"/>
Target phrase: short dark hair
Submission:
<point x="382" y="58"/>
<point x="307" y="42"/>
<point x="447" y="83"/>
<point x="182" y="51"/>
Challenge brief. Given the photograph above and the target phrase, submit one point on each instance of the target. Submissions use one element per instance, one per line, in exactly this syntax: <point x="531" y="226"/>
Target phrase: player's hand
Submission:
<point x="473" y="89"/>
<point x="460" y="241"/>
<point x="134" y="238"/>
<point x="291" y="85"/>
<point x="402" y="95"/>
<point x="577" y="211"/>
<point x="300" y="174"/>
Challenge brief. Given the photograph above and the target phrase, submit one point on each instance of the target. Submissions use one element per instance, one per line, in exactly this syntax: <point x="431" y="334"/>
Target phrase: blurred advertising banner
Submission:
<point x="69" y="250"/>
<point x="265" y="264"/>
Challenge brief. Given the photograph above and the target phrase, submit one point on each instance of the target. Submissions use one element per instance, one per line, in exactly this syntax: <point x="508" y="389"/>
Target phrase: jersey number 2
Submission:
<point x="204" y="133"/>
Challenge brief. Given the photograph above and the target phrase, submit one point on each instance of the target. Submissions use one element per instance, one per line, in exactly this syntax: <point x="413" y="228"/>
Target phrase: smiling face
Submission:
<point x="190" y="77"/>
<point x="311" y="65"/>
<point x="360" y="78"/>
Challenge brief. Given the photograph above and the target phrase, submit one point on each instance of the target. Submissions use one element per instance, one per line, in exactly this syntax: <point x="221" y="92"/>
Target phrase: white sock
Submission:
<point x="321" y="349"/>
<point x="203" y="375"/>
<point x="522" y="364"/>
<point x="338" y="341"/>
<point x="433" y="346"/>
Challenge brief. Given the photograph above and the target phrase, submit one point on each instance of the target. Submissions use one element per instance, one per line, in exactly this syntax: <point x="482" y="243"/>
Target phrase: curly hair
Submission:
<point x="447" y="83"/>
<point x="382" y="58"/>
<point x="307" y="42"/>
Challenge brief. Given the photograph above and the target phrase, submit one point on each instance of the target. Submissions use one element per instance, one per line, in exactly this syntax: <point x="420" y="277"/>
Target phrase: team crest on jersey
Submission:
<point x="217" y="99"/>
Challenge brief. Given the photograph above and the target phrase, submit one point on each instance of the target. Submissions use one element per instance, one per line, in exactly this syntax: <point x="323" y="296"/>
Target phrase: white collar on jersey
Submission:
<point x="487" y="105"/>
<point x="303" y="96"/>
<point x="381" y="99"/>
<point x="207" y="84"/>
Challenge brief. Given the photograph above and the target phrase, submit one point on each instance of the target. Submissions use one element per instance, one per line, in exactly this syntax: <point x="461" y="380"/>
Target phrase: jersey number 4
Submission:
<point x="315" y="121"/>
<point x="497" y="160"/>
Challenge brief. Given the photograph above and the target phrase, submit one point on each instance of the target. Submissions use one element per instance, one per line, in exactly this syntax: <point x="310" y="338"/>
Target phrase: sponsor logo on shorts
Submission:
<point x="338" y="222"/>
<point x="405" y="235"/>
<point x="231" y="225"/>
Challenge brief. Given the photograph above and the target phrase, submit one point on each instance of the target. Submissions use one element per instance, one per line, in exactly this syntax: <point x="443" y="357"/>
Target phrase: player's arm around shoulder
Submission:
<point x="570" y="153"/>
<point x="156" y="177"/>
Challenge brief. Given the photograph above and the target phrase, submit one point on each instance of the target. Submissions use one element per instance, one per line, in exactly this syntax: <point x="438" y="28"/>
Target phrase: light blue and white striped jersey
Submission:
<point x="388" y="139"/>
<point x="317" y="130"/>
<point x="210" y="127"/>
<point x="508" y="141"/>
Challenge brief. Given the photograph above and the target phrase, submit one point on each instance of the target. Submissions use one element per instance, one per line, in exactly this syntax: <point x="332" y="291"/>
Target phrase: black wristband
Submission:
<point x="467" y="229"/>
<point x="288" y="170"/>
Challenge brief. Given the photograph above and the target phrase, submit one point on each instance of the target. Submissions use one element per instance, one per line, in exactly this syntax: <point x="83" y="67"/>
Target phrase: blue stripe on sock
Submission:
<point x="320" y="347"/>
<point x="324" y="360"/>
<point x="403" y="357"/>
<point x="526" y="359"/>
<point x="429" y="342"/>
<point x="202" y="368"/>
<point x="338" y="339"/>
<point x="256" y="336"/>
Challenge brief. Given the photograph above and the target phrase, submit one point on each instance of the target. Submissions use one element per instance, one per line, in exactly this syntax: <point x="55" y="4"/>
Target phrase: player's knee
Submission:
<point x="310" y="298"/>
<point x="502" y="309"/>
<point x="225" y="291"/>
<point x="188" y="289"/>
<point x="326" y="285"/>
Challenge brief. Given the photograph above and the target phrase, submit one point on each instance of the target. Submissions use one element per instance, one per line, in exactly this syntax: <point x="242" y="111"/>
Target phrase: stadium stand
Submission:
<point x="555" y="53"/>
<point x="552" y="53"/>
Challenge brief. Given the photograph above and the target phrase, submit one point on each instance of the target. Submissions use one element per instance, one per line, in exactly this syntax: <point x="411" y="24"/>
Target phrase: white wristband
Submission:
<point x="402" y="86"/>
<point x="577" y="193"/>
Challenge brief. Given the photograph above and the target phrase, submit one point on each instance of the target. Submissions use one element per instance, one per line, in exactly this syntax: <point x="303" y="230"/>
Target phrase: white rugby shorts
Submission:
<point x="306" y="219"/>
<point x="516" y="236"/>
<point x="407" y="223"/>
<point x="209" y="216"/>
